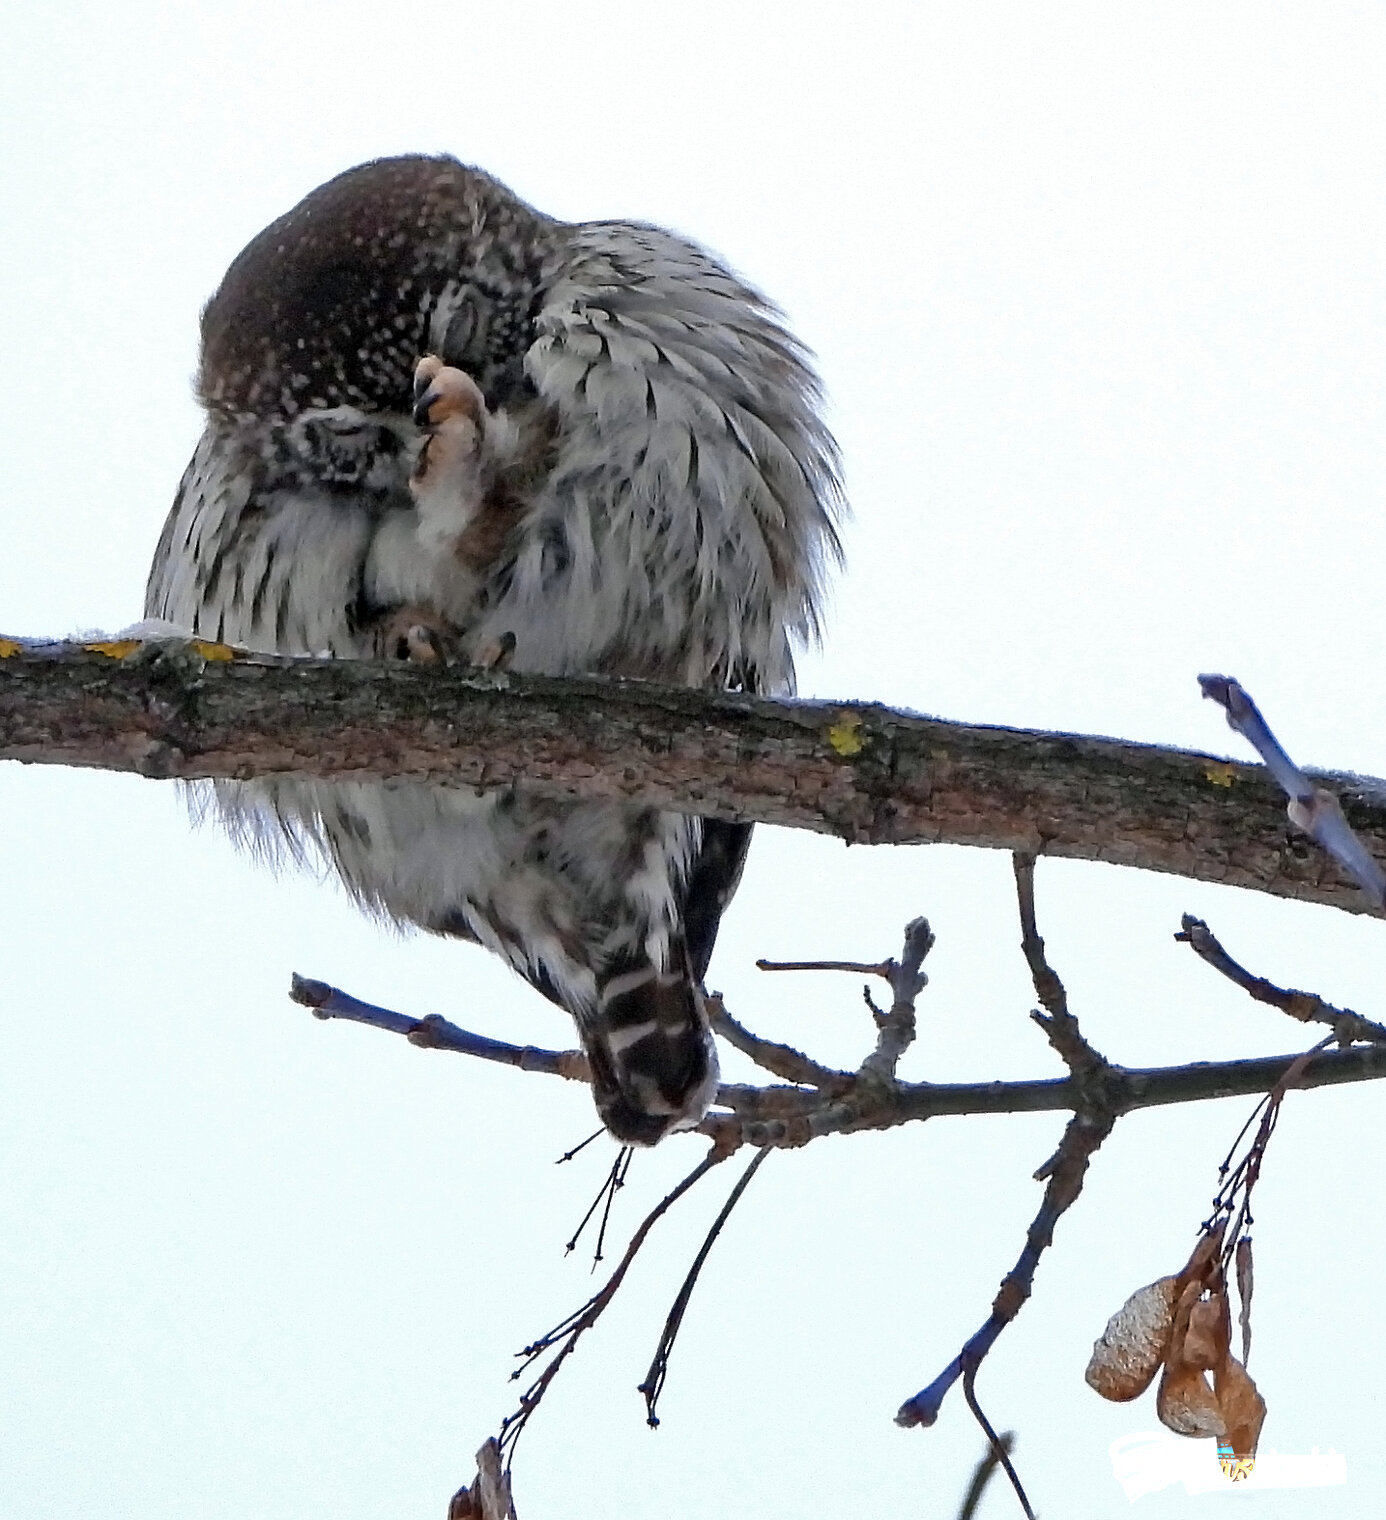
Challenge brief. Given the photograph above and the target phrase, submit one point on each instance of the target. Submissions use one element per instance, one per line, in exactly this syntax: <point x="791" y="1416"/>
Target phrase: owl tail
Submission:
<point x="654" y="1065"/>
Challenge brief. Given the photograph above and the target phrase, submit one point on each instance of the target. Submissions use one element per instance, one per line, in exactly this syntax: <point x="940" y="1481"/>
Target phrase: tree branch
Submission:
<point x="866" y="773"/>
<point x="794" y="1115"/>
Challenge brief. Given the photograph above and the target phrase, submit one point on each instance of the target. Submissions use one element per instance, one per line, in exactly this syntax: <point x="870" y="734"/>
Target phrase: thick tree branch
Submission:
<point x="863" y="772"/>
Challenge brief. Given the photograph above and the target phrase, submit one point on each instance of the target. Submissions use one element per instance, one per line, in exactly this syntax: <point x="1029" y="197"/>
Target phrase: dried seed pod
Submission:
<point x="1205" y="1338"/>
<point x="1186" y="1404"/>
<point x="1243" y="1408"/>
<point x="1129" y="1351"/>
<point x="1245" y="1282"/>
<point x="1199" y="1264"/>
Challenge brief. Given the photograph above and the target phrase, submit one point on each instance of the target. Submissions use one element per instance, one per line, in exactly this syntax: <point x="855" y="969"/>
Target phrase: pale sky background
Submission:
<point x="1097" y="292"/>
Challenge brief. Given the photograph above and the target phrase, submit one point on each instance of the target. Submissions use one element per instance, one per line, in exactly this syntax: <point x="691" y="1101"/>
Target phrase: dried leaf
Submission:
<point x="1245" y="1284"/>
<point x="1243" y="1408"/>
<point x="1186" y="1404"/>
<point x="1129" y="1351"/>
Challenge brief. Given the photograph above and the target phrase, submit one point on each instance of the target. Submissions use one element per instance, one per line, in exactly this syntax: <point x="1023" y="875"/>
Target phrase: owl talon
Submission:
<point x="422" y="645"/>
<point x="441" y="392"/>
<point x="412" y="634"/>
<point x="496" y="655"/>
<point x="424" y="371"/>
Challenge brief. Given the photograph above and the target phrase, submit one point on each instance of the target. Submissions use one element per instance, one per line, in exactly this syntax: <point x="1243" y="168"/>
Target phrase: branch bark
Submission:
<point x="866" y="773"/>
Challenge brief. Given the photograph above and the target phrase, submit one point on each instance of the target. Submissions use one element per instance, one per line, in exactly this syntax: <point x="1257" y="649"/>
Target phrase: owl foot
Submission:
<point x="442" y="394"/>
<point x="496" y="655"/>
<point x="451" y="411"/>
<point x="414" y="634"/>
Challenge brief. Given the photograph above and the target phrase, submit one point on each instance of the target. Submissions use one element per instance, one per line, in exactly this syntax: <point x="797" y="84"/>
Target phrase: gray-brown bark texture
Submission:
<point x="864" y="772"/>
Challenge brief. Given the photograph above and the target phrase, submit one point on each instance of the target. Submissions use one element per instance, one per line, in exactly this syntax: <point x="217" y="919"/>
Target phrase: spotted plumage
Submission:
<point x="613" y="457"/>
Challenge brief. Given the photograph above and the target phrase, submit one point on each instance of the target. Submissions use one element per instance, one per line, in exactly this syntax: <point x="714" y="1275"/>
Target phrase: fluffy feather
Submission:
<point x="641" y="438"/>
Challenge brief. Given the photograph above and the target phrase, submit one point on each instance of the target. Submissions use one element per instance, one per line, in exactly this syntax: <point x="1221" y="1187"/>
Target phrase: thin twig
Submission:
<point x="615" y="1180"/>
<point x="781" y="1061"/>
<point x="435" y="1033"/>
<point x="581" y="1146"/>
<point x="1058" y="1023"/>
<point x="1305" y="1006"/>
<point x="618" y="1181"/>
<point x="983" y="1472"/>
<point x="859" y="968"/>
<point x="570" y="1330"/>
<point x="653" y="1385"/>
<point x="1094" y="1083"/>
<point x="1311" y="808"/>
<point x="999" y="1449"/>
<point x="1066" y="1171"/>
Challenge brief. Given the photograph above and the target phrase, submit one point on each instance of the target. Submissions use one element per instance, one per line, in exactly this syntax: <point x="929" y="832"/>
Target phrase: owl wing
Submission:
<point x="261" y="551"/>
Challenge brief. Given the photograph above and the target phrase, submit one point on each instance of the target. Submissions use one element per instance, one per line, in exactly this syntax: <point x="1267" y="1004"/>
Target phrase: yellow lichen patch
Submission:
<point x="211" y="651"/>
<point x="1220" y="773"/>
<point x="845" y="735"/>
<point x="9" y="647"/>
<point x="114" y="649"/>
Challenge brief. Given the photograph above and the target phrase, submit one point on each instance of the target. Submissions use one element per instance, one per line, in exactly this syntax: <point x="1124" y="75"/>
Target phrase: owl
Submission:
<point x="430" y="408"/>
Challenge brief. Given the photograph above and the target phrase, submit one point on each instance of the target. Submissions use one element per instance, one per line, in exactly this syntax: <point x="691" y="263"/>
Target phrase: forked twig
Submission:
<point x="570" y="1330"/>
<point x="1063" y="1173"/>
<point x="615" y="1180"/>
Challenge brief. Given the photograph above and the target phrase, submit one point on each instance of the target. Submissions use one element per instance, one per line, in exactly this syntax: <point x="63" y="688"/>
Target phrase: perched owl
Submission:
<point x="429" y="404"/>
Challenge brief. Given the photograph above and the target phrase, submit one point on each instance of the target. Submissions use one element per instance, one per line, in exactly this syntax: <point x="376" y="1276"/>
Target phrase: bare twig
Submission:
<point x="653" y="1385"/>
<point x="1304" y="1006"/>
<point x="860" y="968"/>
<point x="614" y="1181"/>
<point x="982" y="1474"/>
<point x="1000" y="1449"/>
<point x="1065" y="1172"/>
<point x="1057" y="1022"/>
<point x="567" y="1334"/>
<point x="1231" y="1214"/>
<point x="781" y="1061"/>
<point x="434" y="1032"/>
<point x="1311" y="808"/>
<point x="788" y="1116"/>
<point x="897" y="779"/>
<point x="1094" y="1083"/>
<point x="907" y="980"/>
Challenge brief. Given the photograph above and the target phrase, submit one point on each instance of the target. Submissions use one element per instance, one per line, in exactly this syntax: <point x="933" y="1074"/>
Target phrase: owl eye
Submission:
<point x="464" y="337"/>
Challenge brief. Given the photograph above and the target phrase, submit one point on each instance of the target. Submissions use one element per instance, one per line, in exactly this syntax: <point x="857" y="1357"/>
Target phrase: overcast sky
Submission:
<point x="1097" y="294"/>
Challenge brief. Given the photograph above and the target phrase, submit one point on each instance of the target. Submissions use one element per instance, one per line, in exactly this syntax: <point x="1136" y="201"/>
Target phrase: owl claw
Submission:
<point x="424" y="371"/>
<point x="415" y="635"/>
<point x="496" y="655"/>
<point x="440" y="392"/>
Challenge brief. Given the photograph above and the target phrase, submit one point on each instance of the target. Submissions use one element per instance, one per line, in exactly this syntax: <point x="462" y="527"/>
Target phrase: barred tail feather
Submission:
<point x="654" y="1066"/>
